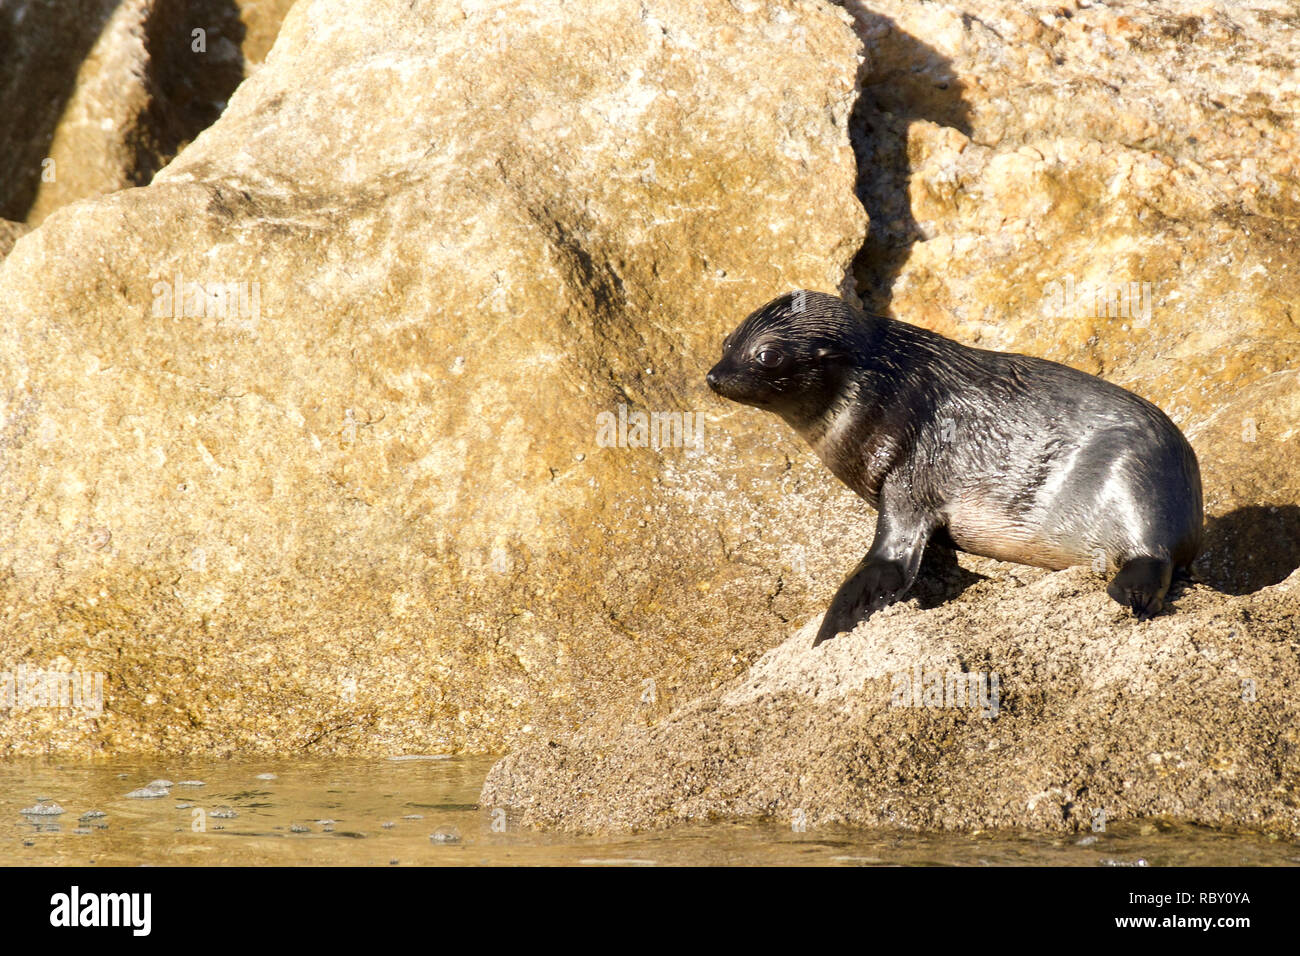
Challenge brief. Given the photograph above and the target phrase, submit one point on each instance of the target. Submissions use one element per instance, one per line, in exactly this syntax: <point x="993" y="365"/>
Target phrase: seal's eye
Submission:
<point x="769" y="358"/>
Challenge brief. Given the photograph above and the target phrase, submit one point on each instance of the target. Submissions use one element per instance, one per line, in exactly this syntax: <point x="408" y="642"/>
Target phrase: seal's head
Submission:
<point x="792" y="356"/>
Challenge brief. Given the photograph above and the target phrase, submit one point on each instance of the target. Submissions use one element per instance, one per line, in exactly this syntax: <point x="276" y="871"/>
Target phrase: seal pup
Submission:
<point x="997" y="454"/>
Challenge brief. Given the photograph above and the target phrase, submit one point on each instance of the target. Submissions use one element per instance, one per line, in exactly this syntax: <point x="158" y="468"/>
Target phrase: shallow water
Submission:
<point x="385" y="812"/>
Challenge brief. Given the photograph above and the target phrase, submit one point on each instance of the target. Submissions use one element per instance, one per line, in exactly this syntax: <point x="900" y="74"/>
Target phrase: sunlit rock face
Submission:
<point x="302" y="442"/>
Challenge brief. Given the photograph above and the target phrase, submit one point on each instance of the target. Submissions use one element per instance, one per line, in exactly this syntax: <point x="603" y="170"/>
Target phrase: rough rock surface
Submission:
<point x="362" y="506"/>
<point x="1097" y="718"/>
<point x="1010" y="149"/>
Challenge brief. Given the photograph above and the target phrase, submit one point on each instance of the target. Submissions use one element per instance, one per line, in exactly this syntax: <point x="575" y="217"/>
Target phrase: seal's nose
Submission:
<point x="713" y="378"/>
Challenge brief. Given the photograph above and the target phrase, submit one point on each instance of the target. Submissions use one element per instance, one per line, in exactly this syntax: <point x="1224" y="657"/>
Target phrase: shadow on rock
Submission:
<point x="941" y="579"/>
<point x="1250" y="548"/>
<point x="901" y="80"/>
<point x="187" y="90"/>
<point x="44" y="49"/>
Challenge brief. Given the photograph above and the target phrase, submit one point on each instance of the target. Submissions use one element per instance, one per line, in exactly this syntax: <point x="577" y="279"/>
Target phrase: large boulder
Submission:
<point x="1114" y="186"/>
<point x="302" y="443"/>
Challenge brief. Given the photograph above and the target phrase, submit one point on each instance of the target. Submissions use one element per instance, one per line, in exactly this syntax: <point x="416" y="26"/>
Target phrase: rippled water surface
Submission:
<point x="423" y="811"/>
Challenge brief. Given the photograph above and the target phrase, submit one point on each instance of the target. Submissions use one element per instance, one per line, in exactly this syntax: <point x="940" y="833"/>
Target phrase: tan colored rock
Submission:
<point x="1094" y="718"/>
<point x="100" y="95"/>
<point x="1017" y="148"/>
<point x="365" y="509"/>
<point x="1247" y="450"/>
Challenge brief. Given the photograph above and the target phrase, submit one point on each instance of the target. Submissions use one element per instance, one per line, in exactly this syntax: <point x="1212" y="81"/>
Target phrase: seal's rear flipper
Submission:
<point x="1141" y="584"/>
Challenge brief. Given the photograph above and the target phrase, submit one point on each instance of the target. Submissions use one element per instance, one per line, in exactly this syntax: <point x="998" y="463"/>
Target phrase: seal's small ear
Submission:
<point x="829" y="353"/>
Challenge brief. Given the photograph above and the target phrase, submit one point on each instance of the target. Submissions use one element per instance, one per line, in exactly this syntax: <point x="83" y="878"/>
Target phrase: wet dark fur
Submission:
<point x="1003" y="455"/>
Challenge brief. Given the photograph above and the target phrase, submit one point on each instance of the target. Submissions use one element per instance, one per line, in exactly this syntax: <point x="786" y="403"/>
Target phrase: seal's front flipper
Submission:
<point x="874" y="583"/>
<point x="1141" y="584"/>
<point x="884" y="575"/>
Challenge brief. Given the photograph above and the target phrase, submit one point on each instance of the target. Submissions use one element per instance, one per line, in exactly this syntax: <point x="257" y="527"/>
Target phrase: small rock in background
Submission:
<point x="146" y="793"/>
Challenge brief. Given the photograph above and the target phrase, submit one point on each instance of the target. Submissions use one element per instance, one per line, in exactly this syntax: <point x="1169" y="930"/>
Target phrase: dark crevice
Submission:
<point x="901" y="80"/>
<point x="1250" y="548"/>
<point x="43" y="45"/>
<point x="188" y="89"/>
